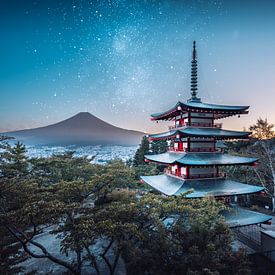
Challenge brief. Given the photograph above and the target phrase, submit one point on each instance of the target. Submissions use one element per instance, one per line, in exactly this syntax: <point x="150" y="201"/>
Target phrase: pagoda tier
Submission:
<point x="199" y="159"/>
<point x="196" y="106"/>
<point x="237" y="216"/>
<point x="218" y="134"/>
<point x="221" y="187"/>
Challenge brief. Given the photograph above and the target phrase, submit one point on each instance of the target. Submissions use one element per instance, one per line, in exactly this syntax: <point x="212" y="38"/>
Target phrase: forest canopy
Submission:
<point x="105" y="220"/>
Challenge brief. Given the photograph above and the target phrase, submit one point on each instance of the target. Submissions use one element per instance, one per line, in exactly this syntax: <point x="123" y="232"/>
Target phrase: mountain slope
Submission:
<point x="81" y="129"/>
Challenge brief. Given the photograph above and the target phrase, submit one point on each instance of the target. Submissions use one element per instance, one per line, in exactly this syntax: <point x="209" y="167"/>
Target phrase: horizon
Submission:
<point x="75" y="115"/>
<point x="124" y="60"/>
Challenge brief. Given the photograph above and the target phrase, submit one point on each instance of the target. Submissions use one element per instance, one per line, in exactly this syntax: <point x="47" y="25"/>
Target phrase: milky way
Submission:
<point x="120" y="60"/>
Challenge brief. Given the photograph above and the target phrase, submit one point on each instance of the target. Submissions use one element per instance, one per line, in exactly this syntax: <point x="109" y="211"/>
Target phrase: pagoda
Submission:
<point x="193" y="159"/>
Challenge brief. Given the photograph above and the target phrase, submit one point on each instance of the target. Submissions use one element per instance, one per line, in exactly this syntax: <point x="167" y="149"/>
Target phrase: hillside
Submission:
<point x="81" y="129"/>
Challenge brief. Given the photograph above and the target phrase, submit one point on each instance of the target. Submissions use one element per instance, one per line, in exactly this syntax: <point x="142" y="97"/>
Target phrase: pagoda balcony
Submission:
<point x="196" y="124"/>
<point x="198" y="176"/>
<point x="195" y="150"/>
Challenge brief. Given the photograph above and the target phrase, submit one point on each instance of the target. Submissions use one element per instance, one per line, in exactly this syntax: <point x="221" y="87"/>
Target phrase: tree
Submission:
<point x="11" y="159"/>
<point x="158" y="146"/>
<point x="69" y="207"/>
<point x="261" y="147"/>
<point x="101" y="222"/>
<point x="179" y="236"/>
<point x="14" y="161"/>
<point x="262" y="129"/>
<point x="141" y="151"/>
<point x="264" y="148"/>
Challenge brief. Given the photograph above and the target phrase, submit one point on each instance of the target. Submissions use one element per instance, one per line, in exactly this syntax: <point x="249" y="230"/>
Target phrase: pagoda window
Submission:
<point x="206" y="172"/>
<point x="205" y="115"/>
<point x="173" y="169"/>
<point x="185" y="121"/>
<point x="176" y="146"/>
<point x="184" y="146"/>
<point x="183" y="171"/>
<point x="201" y="122"/>
<point x="202" y="146"/>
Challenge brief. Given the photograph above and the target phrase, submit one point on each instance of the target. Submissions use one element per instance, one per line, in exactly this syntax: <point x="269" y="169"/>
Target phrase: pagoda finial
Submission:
<point x="194" y="76"/>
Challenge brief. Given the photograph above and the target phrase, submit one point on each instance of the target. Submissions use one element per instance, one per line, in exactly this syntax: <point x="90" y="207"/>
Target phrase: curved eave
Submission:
<point x="165" y="135"/>
<point x="238" y="216"/>
<point x="202" y="132"/>
<point x="172" y="186"/>
<point x="220" y="111"/>
<point x="165" y="158"/>
<point x="224" y="160"/>
<point x="200" y="159"/>
<point x="214" y="107"/>
<point x="167" y="114"/>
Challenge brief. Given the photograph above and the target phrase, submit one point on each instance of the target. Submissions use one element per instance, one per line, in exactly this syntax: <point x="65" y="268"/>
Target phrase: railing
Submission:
<point x="172" y="149"/>
<point x="176" y="175"/>
<point x="196" y="124"/>
<point x="199" y="176"/>
<point x="195" y="150"/>
<point x="172" y="127"/>
<point x="208" y="175"/>
<point x="249" y="235"/>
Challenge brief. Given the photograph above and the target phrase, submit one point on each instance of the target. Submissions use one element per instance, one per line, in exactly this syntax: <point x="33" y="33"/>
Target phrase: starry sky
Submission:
<point x="123" y="60"/>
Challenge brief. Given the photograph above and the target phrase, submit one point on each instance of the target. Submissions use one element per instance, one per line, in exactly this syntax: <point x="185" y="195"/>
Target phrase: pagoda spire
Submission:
<point x="194" y="75"/>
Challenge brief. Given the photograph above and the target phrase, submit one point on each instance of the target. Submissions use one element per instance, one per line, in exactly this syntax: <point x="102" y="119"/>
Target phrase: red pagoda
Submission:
<point x="193" y="159"/>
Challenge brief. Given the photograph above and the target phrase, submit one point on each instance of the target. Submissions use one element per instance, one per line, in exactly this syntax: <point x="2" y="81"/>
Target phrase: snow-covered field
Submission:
<point x="102" y="153"/>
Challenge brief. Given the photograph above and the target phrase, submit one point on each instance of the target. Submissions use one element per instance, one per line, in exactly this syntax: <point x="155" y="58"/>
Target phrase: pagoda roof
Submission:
<point x="220" y="111"/>
<point x="200" y="159"/>
<point x="217" y="187"/>
<point x="237" y="216"/>
<point x="201" y="132"/>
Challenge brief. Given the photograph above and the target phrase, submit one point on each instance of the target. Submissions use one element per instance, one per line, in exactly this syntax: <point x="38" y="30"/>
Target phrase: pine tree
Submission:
<point x="141" y="151"/>
<point x="15" y="161"/>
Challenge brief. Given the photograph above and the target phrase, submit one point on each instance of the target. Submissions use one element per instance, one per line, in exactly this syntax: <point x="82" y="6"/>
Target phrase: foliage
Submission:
<point x="12" y="164"/>
<point x="13" y="159"/>
<point x="181" y="237"/>
<point x="261" y="147"/>
<point x="262" y="129"/>
<point x="147" y="148"/>
<point x="141" y="151"/>
<point x="101" y="219"/>
<point x="61" y="167"/>
<point x="158" y="146"/>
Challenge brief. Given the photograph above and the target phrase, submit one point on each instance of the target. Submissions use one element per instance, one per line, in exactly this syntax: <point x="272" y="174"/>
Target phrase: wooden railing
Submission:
<point x="196" y="124"/>
<point x="195" y="150"/>
<point x="208" y="175"/>
<point x="198" y="176"/>
<point x="172" y="149"/>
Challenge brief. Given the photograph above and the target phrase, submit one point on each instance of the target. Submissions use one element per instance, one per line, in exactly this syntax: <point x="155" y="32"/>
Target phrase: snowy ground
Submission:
<point x="102" y="153"/>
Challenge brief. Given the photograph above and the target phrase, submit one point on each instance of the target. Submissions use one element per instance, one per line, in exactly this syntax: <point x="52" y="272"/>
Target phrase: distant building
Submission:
<point x="193" y="159"/>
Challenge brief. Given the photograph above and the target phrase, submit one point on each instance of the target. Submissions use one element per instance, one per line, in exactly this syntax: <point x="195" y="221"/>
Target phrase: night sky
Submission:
<point x="123" y="60"/>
